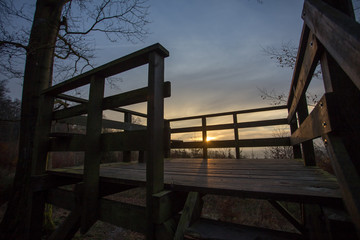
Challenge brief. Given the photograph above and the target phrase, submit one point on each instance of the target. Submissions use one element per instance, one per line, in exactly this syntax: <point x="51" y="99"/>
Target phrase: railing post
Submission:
<point x="204" y="137"/>
<point x="167" y="139"/>
<point x="296" y="148"/>
<point x="155" y="126"/>
<point x="92" y="154"/>
<point x="36" y="200"/>
<point x="236" y="134"/>
<point x="342" y="144"/>
<point x="127" y="154"/>
<point x="308" y="146"/>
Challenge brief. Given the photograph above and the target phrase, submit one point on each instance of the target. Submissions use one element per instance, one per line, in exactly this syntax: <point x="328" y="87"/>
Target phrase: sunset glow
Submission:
<point x="208" y="139"/>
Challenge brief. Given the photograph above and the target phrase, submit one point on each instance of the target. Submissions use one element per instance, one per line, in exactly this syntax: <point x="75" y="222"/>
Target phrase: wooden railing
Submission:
<point x="330" y="36"/>
<point x="94" y="142"/>
<point x="236" y="143"/>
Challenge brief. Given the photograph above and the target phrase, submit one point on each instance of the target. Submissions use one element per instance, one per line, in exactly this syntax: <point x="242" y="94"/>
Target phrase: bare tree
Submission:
<point x="279" y="152"/>
<point x="9" y="108"/>
<point x="60" y="30"/>
<point x="276" y="98"/>
<point x="285" y="56"/>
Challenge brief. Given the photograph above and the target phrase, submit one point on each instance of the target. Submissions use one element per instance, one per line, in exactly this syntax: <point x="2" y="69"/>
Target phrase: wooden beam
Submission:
<point x="308" y="151"/>
<point x="296" y="147"/>
<point x="308" y="65"/>
<point x="155" y="137"/>
<point x="346" y="174"/>
<point x="69" y="227"/>
<point x="236" y="136"/>
<point x="260" y="142"/>
<point x="167" y="139"/>
<point x="121" y="141"/>
<point x="36" y="200"/>
<point x="123" y="215"/>
<point x="92" y="154"/>
<point x="122" y="99"/>
<point x="204" y="137"/>
<point x="167" y="204"/>
<point x="338" y="33"/>
<point x="299" y="59"/>
<point x="230" y="113"/>
<point x="314" y="222"/>
<point x="190" y="213"/>
<point x="45" y="182"/>
<point x="214" y="229"/>
<point x="117" y="213"/>
<point x="81" y="100"/>
<point x="122" y="64"/>
<point x="67" y="142"/>
<point x="289" y="216"/>
<point x="315" y="125"/>
<point x="133" y="97"/>
<point x="127" y="153"/>
<point x="106" y="123"/>
<point x="262" y="123"/>
<point x="70" y="112"/>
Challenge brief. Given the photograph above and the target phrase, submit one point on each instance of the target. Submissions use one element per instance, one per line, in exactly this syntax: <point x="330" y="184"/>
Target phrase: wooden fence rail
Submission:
<point x="94" y="142"/>
<point x="330" y="36"/>
<point x="235" y="126"/>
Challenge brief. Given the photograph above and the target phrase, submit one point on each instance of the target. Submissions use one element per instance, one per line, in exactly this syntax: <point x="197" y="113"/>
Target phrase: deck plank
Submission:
<point x="276" y="179"/>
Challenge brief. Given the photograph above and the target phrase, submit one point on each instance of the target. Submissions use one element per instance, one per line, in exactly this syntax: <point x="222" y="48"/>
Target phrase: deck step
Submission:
<point x="211" y="230"/>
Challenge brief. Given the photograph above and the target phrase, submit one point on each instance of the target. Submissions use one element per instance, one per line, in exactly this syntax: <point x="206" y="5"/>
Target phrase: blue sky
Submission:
<point x="216" y="60"/>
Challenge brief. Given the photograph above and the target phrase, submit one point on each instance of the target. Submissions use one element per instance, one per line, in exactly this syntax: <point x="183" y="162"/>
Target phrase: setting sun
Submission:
<point x="208" y="139"/>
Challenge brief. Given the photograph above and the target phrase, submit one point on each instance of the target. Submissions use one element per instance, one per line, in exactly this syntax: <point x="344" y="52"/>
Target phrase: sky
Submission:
<point x="216" y="59"/>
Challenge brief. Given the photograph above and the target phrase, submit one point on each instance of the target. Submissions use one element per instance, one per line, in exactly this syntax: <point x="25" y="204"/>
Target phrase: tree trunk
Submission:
<point x="38" y="76"/>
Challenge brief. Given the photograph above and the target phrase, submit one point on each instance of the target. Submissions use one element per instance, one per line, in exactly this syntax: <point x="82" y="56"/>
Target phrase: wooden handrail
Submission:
<point x="236" y="142"/>
<point x="117" y="66"/>
<point x="230" y="113"/>
<point x="81" y="100"/>
<point x="338" y="33"/>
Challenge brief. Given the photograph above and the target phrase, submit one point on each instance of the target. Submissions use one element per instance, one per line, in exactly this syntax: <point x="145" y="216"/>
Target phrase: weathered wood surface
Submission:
<point x="122" y="64"/>
<point x="118" y="141"/>
<point x="256" y="178"/>
<point x="211" y="229"/>
<point x="255" y="110"/>
<point x="119" y="100"/>
<point x="263" y="123"/>
<point x="316" y="124"/>
<point x="190" y="213"/>
<point x="258" y="142"/>
<point x="155" y="137"/>
<point x="106" y="123"/>
<point x="338" y="33"/>
<point x="117" y="213"/>
<point x="93" y="154"/>
<point x="81" y="100"/>
<point x="307" y="67"/>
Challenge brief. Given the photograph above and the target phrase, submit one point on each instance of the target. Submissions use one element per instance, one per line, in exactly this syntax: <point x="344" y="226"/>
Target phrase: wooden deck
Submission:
<point x="254" y="178"/>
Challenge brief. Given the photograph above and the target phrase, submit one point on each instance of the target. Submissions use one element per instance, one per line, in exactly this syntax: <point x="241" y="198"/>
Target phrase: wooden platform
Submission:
<point x="254" y="178"/>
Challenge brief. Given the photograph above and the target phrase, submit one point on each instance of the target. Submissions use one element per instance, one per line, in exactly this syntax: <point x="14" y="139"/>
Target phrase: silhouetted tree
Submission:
<point x="9" y="108"/>
<point x="60" y="30"/>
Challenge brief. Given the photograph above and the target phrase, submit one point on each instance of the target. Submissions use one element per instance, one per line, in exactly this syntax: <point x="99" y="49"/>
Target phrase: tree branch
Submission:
<point x="15" y="44"/>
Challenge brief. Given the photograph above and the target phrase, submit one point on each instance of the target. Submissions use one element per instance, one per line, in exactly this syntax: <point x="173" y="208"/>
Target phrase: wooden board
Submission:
<point x="275" y="179"/>
<point x="119" y="65"/>
<point x="210" y="229"/>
